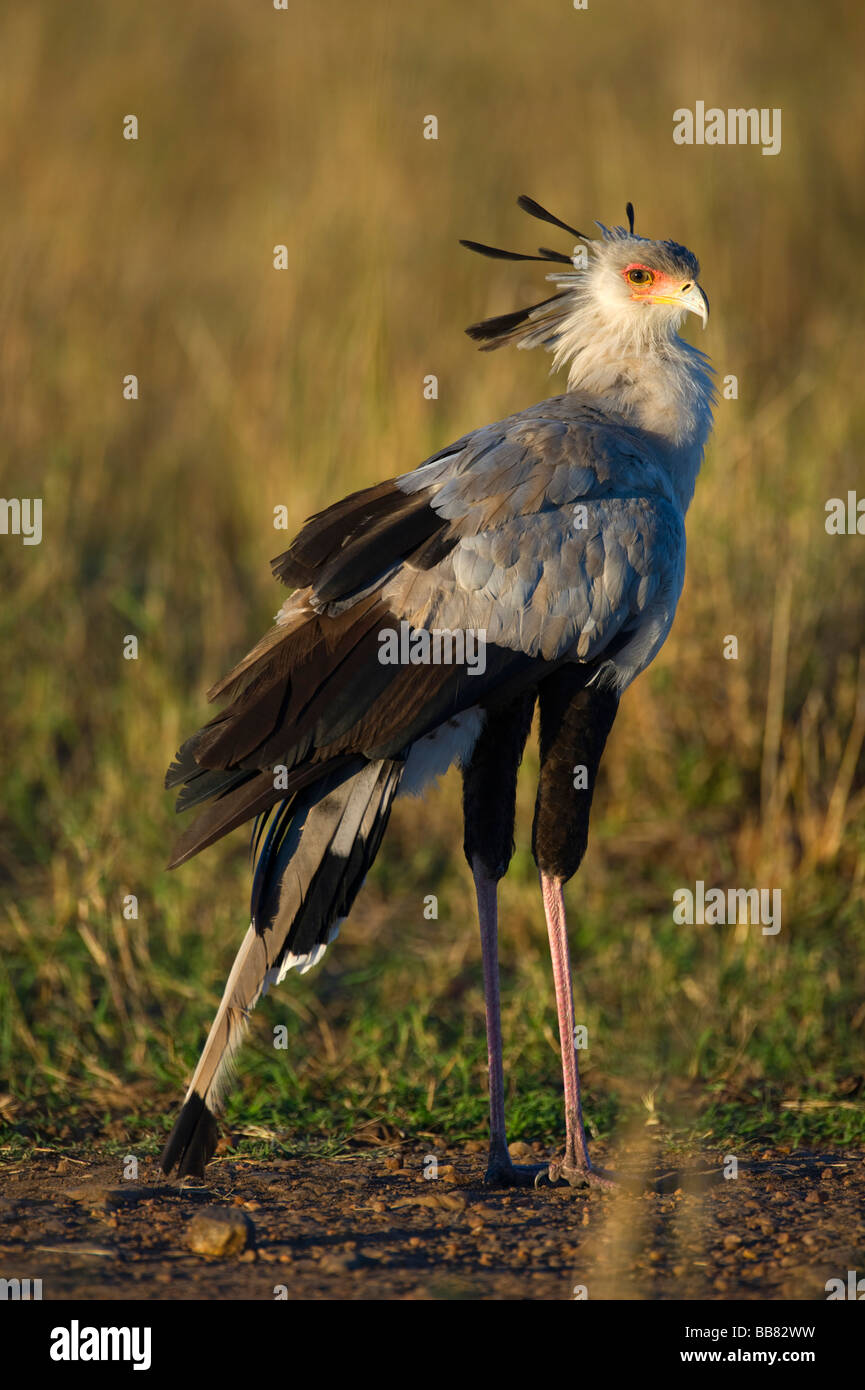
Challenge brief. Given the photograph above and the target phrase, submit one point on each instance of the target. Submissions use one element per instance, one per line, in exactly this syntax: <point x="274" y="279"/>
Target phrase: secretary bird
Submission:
<point x="557" y="538"/>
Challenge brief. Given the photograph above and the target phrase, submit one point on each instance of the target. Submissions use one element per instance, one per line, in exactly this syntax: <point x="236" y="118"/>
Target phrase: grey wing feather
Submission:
<point x="535" y="572"/>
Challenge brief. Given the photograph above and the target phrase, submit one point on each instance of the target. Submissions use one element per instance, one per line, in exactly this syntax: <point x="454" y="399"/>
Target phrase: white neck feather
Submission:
<point x="643" y="371"/>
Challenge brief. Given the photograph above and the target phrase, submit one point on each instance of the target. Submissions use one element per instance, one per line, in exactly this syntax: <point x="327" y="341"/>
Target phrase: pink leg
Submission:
<point x="576" y="1166"/>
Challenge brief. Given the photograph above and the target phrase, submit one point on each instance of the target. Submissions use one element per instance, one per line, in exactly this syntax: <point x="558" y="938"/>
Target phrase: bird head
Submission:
<point x="633" y="277"/>
<point x="637" y="289"/>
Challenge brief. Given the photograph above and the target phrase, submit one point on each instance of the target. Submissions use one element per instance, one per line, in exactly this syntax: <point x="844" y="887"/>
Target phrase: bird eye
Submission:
<point x="638" y="275"/>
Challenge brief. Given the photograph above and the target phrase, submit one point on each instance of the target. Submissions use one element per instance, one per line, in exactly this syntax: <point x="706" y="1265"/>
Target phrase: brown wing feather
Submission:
<point x="348" y="545"/>
<point x="236" y="807"/>
<point x="285" y="685"/>
<point x="313" y="692"/>
<point x="322" y="533"/>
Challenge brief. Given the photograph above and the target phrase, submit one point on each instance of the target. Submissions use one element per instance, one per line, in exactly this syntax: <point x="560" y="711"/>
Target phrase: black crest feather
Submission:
<point x="505" y="323"/>
<point x="535" y="210"/>
<point x="497" y="254"/>
<point x="555" y="256"/>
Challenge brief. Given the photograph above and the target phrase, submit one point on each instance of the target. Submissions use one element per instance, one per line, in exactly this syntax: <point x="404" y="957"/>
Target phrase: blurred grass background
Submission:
<point x="260" y="388"/>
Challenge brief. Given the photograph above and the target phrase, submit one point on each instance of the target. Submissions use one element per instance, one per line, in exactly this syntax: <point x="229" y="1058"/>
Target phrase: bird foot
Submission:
<point x="562" y="1172"/>
<point x="503" y="1173"/>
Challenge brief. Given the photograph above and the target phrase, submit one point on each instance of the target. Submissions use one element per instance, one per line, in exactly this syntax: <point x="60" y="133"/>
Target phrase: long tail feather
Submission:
<point x="312" y="866"/>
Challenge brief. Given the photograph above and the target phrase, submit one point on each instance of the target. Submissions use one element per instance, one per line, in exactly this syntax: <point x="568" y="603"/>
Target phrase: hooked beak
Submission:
<point x="691" y="297"/>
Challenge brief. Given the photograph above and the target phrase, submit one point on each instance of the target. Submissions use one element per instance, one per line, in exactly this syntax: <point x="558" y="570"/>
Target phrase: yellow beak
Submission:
<point x="691" y="297"/>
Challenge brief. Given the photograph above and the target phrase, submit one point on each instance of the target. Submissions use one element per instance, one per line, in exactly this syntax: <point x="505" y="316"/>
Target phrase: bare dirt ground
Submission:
<point x="370" y="1226"/>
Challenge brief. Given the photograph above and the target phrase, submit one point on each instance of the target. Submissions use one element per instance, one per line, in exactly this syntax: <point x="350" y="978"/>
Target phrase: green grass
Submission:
<point x="260" y="389"/>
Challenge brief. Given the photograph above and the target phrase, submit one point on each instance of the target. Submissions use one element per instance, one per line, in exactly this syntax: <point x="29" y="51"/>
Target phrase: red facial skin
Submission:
<point x="659" y="283"/>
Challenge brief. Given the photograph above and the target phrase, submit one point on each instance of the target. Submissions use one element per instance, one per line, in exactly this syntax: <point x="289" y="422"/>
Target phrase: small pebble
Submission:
<point x="219" y="1232"/>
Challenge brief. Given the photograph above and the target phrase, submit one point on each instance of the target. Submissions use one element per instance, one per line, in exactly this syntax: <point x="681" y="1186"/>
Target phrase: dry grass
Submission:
<point x="261" y="388"/>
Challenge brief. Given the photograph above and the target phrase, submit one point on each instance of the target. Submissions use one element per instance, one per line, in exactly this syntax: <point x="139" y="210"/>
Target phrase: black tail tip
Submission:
<point x="192" y="1141"/>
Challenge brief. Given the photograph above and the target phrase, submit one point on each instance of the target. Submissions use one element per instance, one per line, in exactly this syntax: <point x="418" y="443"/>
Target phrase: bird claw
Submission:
<point x="500" y="1174"/>
<point x="560" y="1173"/>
